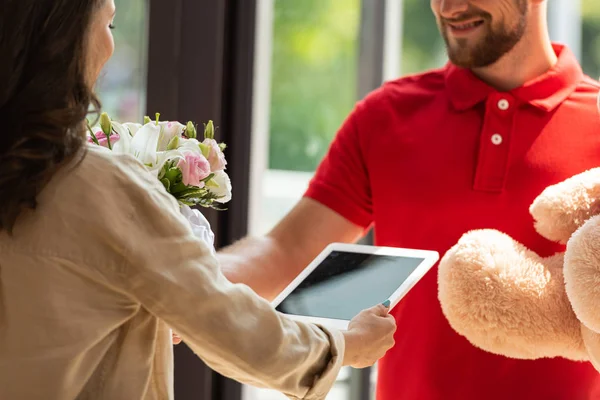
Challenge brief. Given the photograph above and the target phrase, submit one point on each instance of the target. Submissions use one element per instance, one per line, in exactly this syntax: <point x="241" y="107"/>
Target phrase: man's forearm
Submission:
<point x="268" y="264"/>
<point x="261" y="263"/>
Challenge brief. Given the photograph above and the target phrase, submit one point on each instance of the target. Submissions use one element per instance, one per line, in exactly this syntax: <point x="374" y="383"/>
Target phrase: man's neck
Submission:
<point x="531" y="57"/>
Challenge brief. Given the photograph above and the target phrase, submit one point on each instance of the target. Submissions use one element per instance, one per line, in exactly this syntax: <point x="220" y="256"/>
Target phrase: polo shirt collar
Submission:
<point x="545" y="92"/>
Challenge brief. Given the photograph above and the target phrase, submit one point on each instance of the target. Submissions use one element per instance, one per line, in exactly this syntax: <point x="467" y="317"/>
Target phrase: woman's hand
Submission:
<point x="176" y="338"/>
<point x="369" y="336"/>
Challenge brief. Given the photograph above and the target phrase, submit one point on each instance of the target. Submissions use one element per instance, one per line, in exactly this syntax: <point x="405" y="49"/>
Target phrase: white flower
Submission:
<point x="169" y="129"/>
<point x="144" y="144"/>
<point x="224" y="186"/>
<point x="123" y="145"/>
<point x="133" y="127"/>
<point x="162" y="157"/>
<point x="190" y="145"/>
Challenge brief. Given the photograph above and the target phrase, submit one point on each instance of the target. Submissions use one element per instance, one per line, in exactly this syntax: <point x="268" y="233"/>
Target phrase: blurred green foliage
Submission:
<point x="315" y="58"/>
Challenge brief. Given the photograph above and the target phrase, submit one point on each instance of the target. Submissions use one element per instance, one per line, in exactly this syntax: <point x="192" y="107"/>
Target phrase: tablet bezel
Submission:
<point x="430" y="258"/>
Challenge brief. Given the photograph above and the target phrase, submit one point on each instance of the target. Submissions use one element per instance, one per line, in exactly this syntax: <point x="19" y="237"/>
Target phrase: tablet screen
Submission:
<point x="345" y="283"/>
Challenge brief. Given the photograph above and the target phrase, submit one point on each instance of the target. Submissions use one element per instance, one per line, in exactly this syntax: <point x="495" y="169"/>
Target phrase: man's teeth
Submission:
<point x="467" y="26"/>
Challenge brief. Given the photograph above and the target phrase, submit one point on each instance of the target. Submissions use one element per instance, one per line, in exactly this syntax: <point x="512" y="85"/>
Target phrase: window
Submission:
<point x="590" y="37"/>
<point x="122" y="83"/>
<point x="312" y="86"/>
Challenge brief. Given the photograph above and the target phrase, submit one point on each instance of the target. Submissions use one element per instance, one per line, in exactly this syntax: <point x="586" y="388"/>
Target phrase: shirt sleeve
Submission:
<point x="175" y="276"/>
<point x="341" y="181"/>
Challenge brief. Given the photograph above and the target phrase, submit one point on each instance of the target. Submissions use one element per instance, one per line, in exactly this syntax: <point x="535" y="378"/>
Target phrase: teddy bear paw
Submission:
<point x="507" y="300"/>
<point x="582" y="273"/>
<point x="560" y="209"/>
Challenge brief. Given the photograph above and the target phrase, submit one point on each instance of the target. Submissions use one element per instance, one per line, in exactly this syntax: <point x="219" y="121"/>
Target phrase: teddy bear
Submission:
<point x="507" y="300"/>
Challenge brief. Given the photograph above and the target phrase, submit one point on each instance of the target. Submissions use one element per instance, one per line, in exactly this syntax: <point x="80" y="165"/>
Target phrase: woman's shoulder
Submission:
<point x="98" y="159"/>
<point x="95" y="196"/>
<point x="100" y="181"/>
<point x="100" y="169"/>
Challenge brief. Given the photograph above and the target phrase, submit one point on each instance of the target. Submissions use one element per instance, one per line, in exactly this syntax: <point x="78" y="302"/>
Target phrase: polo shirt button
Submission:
<point x="497" y="139"/>
<point x="503" y="104"/>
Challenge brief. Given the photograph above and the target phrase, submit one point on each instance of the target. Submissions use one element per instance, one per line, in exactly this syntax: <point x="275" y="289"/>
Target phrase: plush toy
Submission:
<point x="507" y="300"/>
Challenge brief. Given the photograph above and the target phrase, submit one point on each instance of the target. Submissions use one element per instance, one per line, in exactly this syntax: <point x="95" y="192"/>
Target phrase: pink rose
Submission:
<point x="194" y="167"/>
<point x="216" y="158"/>
<point x="102" y="139"/>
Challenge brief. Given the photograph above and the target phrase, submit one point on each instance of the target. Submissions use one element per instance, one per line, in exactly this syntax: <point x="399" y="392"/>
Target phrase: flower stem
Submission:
<point x="94" y="138"/>
<point x="108" y="141"/>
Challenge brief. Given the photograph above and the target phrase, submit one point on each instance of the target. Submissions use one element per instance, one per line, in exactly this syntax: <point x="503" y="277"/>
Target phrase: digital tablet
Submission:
<point x="348" y="278"/>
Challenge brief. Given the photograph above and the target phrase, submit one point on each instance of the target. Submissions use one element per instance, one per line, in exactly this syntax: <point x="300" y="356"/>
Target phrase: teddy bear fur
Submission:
<point x="506" y="299"/>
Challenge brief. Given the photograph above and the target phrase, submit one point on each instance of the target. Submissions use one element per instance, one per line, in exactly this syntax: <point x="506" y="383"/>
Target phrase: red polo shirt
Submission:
<point x="429" y="157"/>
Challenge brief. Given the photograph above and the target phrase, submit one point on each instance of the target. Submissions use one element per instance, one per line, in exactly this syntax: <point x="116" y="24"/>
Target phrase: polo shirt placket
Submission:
<point x="494" y="144"/>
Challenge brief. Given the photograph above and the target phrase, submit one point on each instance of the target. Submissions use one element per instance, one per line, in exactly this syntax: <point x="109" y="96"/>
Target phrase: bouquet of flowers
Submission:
<point x="191" y="170"/>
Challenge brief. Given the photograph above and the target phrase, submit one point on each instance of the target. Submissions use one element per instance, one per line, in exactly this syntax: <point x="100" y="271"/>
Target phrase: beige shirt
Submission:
<point x="92" y="280"/>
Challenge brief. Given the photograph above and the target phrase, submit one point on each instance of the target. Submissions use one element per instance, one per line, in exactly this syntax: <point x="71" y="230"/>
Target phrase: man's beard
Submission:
<point x="493" y="46"/>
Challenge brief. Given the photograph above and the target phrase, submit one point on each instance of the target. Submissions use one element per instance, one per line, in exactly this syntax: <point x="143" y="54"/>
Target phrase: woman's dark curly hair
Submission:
<point x="44" y="95"/>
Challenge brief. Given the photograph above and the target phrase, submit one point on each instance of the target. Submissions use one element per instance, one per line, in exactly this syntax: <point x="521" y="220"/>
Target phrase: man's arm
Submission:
<point x="268" y="264"/>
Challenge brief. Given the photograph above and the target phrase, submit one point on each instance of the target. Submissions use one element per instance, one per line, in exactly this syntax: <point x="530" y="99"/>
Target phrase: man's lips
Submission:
<point x="465" y="26"/>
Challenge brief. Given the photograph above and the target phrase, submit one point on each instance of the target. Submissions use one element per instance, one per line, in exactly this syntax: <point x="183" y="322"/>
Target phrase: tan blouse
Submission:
<point x="92" y="280"/>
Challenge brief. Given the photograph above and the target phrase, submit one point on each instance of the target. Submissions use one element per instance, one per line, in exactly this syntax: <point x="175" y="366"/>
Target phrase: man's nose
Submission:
<point x="453" y="8"/>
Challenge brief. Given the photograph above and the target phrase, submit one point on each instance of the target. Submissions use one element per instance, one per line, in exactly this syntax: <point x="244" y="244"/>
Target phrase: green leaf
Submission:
<point x="178" y="187"/>
<point x="163" y="171"/>
<point x="208" y="178"/>
<point x="187" y="203"/>
<point x="207" y="201"/>
<point x="94" y="138"/>
<point x="173" y="174"/>
<point x="191" y="190"/>
<point x="166" y="183"/>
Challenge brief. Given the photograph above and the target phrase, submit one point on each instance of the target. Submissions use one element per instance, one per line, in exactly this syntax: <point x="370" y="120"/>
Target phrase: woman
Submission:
<point x="96" y="262"/>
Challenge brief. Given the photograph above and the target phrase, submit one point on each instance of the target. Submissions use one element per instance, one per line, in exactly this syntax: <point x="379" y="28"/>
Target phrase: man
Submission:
<point x="425" y="159"/>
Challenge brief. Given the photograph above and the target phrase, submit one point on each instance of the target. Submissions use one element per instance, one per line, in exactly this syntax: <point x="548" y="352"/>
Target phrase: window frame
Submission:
<point x="202" y="65"/>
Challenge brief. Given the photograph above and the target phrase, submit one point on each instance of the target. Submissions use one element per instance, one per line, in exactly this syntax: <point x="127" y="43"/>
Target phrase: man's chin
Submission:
<point x="462" y="58"/>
